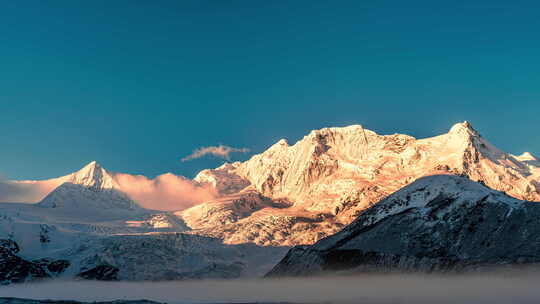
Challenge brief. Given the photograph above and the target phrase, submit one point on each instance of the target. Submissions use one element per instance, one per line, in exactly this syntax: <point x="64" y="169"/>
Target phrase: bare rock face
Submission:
<point x="333" y="174"/>
<point x="438" y="223"/>
<point x="100" y="273"/>
<point x="15" y="269"/>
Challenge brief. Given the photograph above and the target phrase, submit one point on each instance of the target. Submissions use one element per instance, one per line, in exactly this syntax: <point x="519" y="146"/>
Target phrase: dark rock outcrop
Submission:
<point x="15" y="269"/>
<point x="100" y="273"/>
<point x="53" y="267"/>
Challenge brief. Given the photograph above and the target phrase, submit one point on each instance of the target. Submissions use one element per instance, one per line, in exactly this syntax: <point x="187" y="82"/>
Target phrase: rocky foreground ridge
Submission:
<point x="437" y="224"/>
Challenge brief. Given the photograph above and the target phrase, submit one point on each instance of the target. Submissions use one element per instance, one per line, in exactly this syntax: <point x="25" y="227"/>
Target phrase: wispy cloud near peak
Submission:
<point x="218" y="151"/>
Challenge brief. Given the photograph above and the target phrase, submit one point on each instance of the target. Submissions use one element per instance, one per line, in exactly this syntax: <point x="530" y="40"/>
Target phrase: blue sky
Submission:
<point x="137" y="85"/>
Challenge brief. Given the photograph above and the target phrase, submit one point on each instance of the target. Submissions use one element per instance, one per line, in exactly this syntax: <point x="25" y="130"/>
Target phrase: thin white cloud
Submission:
<point x="12" y="191"/>
<point x="218" y="151"/>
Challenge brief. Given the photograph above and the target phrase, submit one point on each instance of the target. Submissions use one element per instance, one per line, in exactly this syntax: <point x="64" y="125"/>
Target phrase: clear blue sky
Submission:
<point x="137" y="85"/>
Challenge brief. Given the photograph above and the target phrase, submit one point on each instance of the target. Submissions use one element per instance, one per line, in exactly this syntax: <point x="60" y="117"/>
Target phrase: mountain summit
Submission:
<point x="93" y="175"/>
<point x="92" y="187"/>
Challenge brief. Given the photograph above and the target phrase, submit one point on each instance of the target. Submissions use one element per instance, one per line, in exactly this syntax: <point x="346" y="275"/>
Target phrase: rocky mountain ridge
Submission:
<point x="327" y="178"/>
<point x="437" y="224"/>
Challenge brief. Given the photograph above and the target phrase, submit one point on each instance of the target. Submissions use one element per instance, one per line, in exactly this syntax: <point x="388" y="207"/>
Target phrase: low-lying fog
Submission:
<point x="418" y="289"/>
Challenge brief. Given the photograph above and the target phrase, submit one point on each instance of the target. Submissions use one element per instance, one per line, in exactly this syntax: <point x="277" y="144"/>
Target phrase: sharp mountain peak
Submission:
<point x="93" y="175"/>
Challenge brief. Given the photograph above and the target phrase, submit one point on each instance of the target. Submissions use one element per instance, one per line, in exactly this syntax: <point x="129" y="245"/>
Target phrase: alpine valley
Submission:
<point x="340" y="199"/>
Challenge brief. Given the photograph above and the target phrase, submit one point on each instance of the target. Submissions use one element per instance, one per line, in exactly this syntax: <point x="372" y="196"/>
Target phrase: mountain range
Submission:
<point x="347" y="198"/>
<point x="323" y="182"/>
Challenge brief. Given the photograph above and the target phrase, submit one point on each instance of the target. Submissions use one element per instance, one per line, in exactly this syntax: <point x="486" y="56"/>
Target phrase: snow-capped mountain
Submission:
<point x="93" y="230"/>
<point x="438" y="223"/>
<point x="75" y="196"/>
<point x="327" y="178"/>
<point x="92" y="176"/>
<point x="91" y="187"/>
<point x="167" y="191"/>
<point x="328" y="163"/>
<point x="288" y="195"/>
